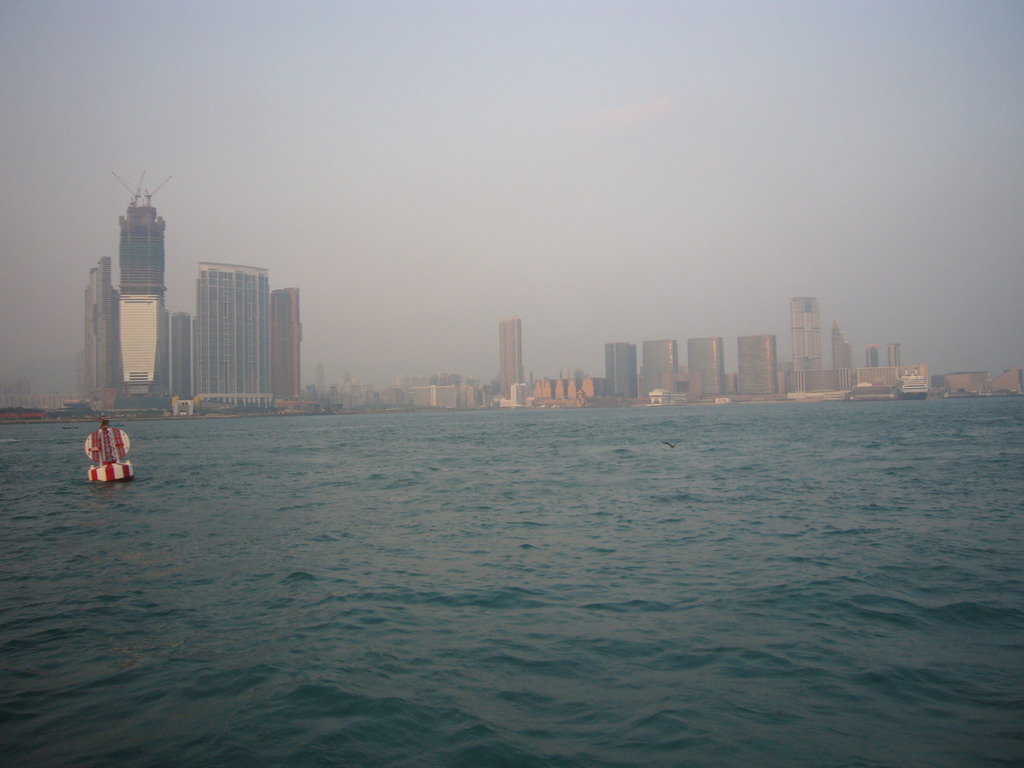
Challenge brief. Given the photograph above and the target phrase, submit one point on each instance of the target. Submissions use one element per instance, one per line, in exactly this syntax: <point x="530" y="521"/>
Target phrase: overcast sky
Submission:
<point x="607" y="171"/>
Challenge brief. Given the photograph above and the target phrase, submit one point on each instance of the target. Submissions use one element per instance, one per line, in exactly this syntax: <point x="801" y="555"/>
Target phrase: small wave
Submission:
<point x="514" y="597"/>
<point x="973" y="614"/>
<point x="667" y="730"/>
<point x="298" y="576"/>
<point x="851" y="531"/>
<point x="912" y="685"/>
<point x="331" y="536"/>
<point x="675" y="498"/>
<point x="630" y="606"/>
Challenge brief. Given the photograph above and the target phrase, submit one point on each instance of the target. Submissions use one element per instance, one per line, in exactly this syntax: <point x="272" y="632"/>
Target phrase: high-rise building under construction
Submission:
<point x="143" y="317"/>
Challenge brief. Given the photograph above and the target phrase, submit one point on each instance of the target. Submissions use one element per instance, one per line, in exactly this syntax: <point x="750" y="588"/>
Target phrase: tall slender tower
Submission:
<point x="285" y="338"/>
<point x="181" y="355"/>
<point x="510" y="354"/>
<point x="660" y="357"/>
<point x="842" y="353"/>
<point x="232" y="329"/>
<point x="805" y="324"/>
<point x="620" y="368"/>
<point x="143" y="318"/>
<point x="706" y="357"/>
<point x="102" y="359"/>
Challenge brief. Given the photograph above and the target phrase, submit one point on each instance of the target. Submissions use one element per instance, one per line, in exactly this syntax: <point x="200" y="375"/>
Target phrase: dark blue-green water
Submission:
<point x="834" y="584"/>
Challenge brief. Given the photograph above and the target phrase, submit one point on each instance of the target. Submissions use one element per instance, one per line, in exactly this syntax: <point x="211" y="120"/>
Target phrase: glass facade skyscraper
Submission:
<point x="758" y="366"/>
<point x="232" y="330"/>
<point x="143" y="318"/>
<point x="285" y="340"/>
<point x="510" y="354"/>
<point x="181" y="355"/>
<point x="805" y="324"/>
<point x="102" y="359"/>
<point x="842" y="354"/>
<point x="707" y="357"/>
<point x="871" y="356"/>
<point x="660" y="357"/>
<point x="620" y="369"/>
<point x="894" y="354"/>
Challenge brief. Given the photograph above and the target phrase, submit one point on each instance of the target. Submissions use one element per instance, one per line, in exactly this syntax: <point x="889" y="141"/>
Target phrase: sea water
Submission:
<point x="829" y="584"/>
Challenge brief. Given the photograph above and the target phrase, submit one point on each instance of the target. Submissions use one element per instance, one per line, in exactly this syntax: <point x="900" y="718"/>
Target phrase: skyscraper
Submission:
<point x="894" y="355"/>
<point x="232" y="329"/>
<point x="102" y="358"/>
<point x="758" y="365"/>
<point x="842" y="354"/>
<point x="660" y="357"/>
<point x="285" y="339"/>
<point x="181" y="355"/>
<point x="805" y="324"/>
<point x="620" y="369"/>
<point x="510" y="354"/>
<point x="871" y="356"/>
<point x="707" y="357"/>
<point x="143" y="318"/>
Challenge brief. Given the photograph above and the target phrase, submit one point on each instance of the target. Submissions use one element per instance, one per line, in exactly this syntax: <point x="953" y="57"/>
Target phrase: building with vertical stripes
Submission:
<point x="805" y="326"/>
<point x="707" y="358"/>
<point x="285" y="341"/>
<point x="510" y="354"/>
<point x="660" y="357"/>
<point x="620" y="369"/>
<point x="101" y="365"/>
<point x="758" y="365"/>
<point x="181" y="355"/>
<point x="232" y="335"/>
<point x="842" y="353"/>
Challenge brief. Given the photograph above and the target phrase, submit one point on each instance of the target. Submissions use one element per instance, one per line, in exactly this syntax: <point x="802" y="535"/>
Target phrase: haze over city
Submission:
<point x="607" y="172"/>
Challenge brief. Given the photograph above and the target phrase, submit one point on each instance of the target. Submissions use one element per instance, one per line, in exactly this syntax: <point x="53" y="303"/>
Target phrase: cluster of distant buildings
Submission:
<point x="660" y="377"/>
<point x="241" y="350"/>
<point x="654" y="374"/>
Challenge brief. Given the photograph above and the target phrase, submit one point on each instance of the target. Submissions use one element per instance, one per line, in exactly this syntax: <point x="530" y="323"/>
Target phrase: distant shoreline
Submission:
<point x="379" y="411"/>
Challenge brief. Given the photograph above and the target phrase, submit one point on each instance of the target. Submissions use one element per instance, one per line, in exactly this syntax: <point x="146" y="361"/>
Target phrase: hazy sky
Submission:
<point x="606" y="171"/>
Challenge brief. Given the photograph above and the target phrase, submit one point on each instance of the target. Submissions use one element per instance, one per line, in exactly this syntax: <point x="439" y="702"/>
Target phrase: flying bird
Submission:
<point x="670" y="445"/>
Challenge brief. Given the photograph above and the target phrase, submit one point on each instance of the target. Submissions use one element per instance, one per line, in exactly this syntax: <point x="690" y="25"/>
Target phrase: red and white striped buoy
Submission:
<point x="108" y="446"/>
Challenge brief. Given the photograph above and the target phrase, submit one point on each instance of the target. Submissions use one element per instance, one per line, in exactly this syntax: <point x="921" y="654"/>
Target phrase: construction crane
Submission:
<point x="149" y="194"/>
<point x="138" y="191"/>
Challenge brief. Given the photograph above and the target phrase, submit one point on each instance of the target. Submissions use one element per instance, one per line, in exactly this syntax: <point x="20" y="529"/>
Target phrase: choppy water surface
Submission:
<point x="832" y="584"/>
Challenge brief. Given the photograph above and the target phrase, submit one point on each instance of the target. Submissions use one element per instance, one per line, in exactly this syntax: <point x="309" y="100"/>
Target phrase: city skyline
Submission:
<point x="757" y="363"/>
<point x="681" y="176"/>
